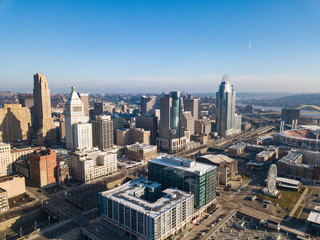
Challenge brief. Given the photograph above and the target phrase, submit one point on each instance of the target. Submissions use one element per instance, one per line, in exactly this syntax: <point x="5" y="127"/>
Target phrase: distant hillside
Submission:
<point x="248" y="95"/>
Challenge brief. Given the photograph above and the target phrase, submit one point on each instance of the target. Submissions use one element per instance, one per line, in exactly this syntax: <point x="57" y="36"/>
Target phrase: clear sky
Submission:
<point x="161" y="45"/>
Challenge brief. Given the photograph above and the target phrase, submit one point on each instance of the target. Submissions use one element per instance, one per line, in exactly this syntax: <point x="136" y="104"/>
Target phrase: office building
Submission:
<point x="84" y="97"/>
<point x="6" y="163"/>
<point x="15" y="123"/>
<point x="26" y="100"/>
<point x="14" y="185"/>
<point x="43" y="122"/>
<point x="227" y="121"/>
<point x="102" y="108"/>
<point x="186" y="175"/>
<point x="102" y="132"/>
<point x="43" y="167"/>
<point x="192" y="105"/>
<point x="4" y="204"/>
<point x="171" y="134"/>
<point x="91" y="164"/>
<point x="148" y="105"/>
<point x="140" y="151"/>
<point x="78" y="130"/>
<point x="202" y="126"/>
<point x="188" y="122"/>
<point x="118" y="124"/>
<point x="149" y="123"/>
<point x="142" y="210"/>
<point x="133" y="135"/>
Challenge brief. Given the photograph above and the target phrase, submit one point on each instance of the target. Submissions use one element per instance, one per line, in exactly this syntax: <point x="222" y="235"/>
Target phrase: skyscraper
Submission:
<point x="192" y="105"/>
<point x="228" y="122"/>
<point x="171" y="135"/>
<point x="43" y="122"/>
<point x="102" y="131"/>
<point x="78" y="130"/>
<point x="147" y="105"/>
<point x="85" y="100"/>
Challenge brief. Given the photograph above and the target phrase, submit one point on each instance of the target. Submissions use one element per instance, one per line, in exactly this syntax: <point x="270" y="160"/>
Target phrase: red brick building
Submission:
<point x="43" y="167"/>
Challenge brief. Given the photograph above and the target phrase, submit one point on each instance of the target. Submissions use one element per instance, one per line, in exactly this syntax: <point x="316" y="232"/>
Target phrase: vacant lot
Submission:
<point x="288" y="199"/>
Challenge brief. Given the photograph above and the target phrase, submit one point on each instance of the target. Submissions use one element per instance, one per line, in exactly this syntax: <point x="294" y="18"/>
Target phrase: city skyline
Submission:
<point x="154" y="46"/>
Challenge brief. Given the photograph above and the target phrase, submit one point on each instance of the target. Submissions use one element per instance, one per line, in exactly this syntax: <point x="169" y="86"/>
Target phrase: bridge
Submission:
<point x="309" y="106"/>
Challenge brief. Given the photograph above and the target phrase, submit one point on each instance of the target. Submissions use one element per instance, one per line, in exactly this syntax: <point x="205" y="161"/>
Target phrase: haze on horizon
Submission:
<point x="154" y="46"/>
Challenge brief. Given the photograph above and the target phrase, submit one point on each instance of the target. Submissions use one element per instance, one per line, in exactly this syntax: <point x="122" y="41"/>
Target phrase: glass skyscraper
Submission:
<point x="186" y="175"/>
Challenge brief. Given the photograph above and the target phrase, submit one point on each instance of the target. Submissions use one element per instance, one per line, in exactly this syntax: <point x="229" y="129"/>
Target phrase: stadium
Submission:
<point x="301" y="138"/>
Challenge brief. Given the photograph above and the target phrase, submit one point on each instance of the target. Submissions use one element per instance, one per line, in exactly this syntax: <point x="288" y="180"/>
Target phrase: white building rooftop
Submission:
<point x="183" y="164"/>
<point x="314" y="217"/>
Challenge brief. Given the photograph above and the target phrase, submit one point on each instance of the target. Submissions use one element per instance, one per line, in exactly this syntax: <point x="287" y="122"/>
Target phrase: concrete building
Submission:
<point x="102" y="108"/>
<point x="226" y="167"/>
<point x="172" y="134"/>
<point x="202" y="126"/>
<point x="15" y="123"/>
<point x="186" y="175"/>
<point x="133" y="135"/>
<point x="91" y="164"/>
<point x="188" y="122"/>
<point x="78" y="130"/>
<point x="289" y="115"/>
<point x="140" y="151"/>
<point x="84" y="97"/>
<point x="43" y="122"/>
<point x="228" y="122"/>
<point x="237" y="149"/>
<point x="147" y="105"/>
<point x="118" y="124"/>
<point x="63" y="172"/>
<point x="26" y="100"/>
<point x="149" y="123"/>
<point x="102" y="132"/>
<point x="265" y="155"/>
<point x="4" y="204"/>
<point x="14" y="185"/>
<point x="192" y="105"/>
<point x="43" y="167"/>
<point x="143" y="211"/>
<point x="22" y="153"/>
<point x="6" y="163"/>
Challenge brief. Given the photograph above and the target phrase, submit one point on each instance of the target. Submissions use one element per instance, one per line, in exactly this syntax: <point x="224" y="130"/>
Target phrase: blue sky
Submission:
<point x="155" y="46"/>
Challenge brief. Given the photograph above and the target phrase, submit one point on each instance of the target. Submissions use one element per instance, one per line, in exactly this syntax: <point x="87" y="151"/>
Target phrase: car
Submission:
<point x="268" y="201"/>
<point x="213" y="224"/>
<point x="265" y="206"/>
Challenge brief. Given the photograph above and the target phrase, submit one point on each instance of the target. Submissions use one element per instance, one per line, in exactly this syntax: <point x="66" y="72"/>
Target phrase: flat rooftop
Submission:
<point x="288" y="181"/>
<point x="217" y="159"/>
<point x="183" y="164"/>
<point x="124" y="194"/>
<point x="314" y="217"/>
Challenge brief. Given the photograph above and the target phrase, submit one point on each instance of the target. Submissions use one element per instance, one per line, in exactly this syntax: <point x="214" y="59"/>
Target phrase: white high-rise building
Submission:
<point x="5" y="159"/>
<point x="78" y="128"/>
<point x="227" y="120"/>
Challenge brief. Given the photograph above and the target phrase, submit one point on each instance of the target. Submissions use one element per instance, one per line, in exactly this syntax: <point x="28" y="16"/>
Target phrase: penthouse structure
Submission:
<point x="90" y="164"/>
<point x="142" y="210"/>
<point x="186" y="175"/>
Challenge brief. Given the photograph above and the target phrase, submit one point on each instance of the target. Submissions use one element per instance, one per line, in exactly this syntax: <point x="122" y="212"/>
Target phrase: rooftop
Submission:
<point x="141" y="146"/>
<point x="125" y="194"/>
<point x="183" y="164"/>
<point x="314" y="217"/>
<point x="217" y="159"/>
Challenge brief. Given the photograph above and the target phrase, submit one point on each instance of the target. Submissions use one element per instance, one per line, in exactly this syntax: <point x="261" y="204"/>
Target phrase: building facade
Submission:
<point x="149" y="123"/>
<point x="227" y="121"/>
<point x="102" y="132"/>
<point x="91" y="164"/>
<point x="186" y="175"/>
<point x="147" y="105"/>
<point x="43" y="167"/>
<point x="133" y="135"/>
<point x="43" y="122"/>
<point x="4" y="204"/>
<point x="192" y="105"/>
<point x="140" y="151"/>
<point x="6" y="163"/>
<point x="15" y="123"/>
<point x="142" y="210"/>
<point x="14" y="185"/>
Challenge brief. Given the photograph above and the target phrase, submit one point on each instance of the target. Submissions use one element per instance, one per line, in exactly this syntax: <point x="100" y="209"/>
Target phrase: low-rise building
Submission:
<point x="265" y="155"/>
<point x="140" y="151"/>
<point x="91" y="164"/>
<point x="14" y="185"/>
<point x="237" y="149"/>
<point x="141" y="209"/>
<point x="202" y="126"/>
<point x="226" y="166"/>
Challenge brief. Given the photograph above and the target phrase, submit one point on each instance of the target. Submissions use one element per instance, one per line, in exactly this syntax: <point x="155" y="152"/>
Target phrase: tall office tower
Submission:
<point x="44" y="126"/>
<point x="85" y="100"/>
<point x="102" y="108"/>
<point x="78" y="130"/>
<point x="6" y="163"/>
<point x="288" y="115"/>
<point x="102" y="132"/>
<point x="186" y="175"/>
<point x="149" y="123"/>
<point x="192" y="105"/>
<point x="43" y="167"/>
<point x="227" y="120"/>
<point x="15" y="123"/>
<point x="26" y="100"/>
<point x="171" y="135"/>
<point x="188" y="122"/>
<point x="147" y="105"/>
